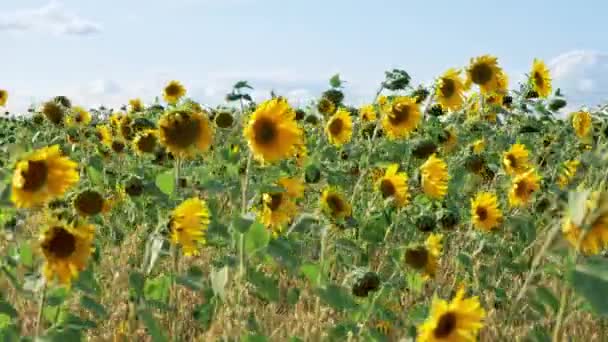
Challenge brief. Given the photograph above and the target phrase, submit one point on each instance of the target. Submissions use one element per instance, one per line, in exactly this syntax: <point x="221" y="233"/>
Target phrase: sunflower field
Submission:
<point x="466" y="210"/>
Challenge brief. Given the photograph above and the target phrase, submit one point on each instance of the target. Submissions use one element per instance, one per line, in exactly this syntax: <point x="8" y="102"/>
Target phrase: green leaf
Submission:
<point x="335" y="81"/>
<point x="293" y="295"/>
<point x="154" y="329"/>
<point x="8" y="309"/>
<point x="157" y="288"/>
<point x="311" y="272"/>
<point x="87" y="283"/>
<point x="94" y="175"/>
<point x="74" y="322"/>
<point x="304" y="223"/>
<point x="257" y="238"/>
<point x="56" y="296"/>
<point x="337" y="297"/>
<point x="284" y="251"/>
<point x="165" y="181"/>
<point x="242" y="223"/>
<point x="590" y="280"/>
<point x="254" y="338"/>
<point x="204" y="313"/>
<point x="26" y="256"/>
<point x="136" y="283"/>
<point x="94" y="307"/>
<point x="547" y="297"/>
<point x="265" y="286"/>
<point x="219" y="279"/>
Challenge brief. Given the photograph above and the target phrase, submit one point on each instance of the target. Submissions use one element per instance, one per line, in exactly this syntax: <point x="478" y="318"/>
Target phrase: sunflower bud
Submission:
<point x="426" y="223"/>
<point x="134" y="187"/>
<point x="312" y="174"/>
<point x="449" y="220"/>
<point x="424" y="148"/>
<point x="334" y="95"/>
<point x="366" y="284"/>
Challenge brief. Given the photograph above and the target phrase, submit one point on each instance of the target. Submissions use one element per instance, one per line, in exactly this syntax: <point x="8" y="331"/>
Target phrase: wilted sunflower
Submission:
<point x="279" y="208"/>
<point x="485" y="211"/>
<point x="89" y="203"/>
<point x="425" y="258"/>
<point x="435" y="177"/>
<point x="53" y="111"/>
<point x="484" y="72"/>
<point x="334" y="204"/>
<point x="478" y="146"/>
<point x="449" y="90"/>
<point x="568" y="172"/>
<point x="394" y="185"/>
<point x="339" y="128"/>
<point x="522" y="188"/>
<point x="43" y="176"/>
<point x="189" y="223"/>
<point x="581" y="122"/>
<point x="367" y="113"/>
<point x="185" y="133"/>
<point x="326" y="106"/>
<point x="173" y="92"/>
<point x="66" y="249"/>
<point x="145" y="141"/>
<point x="135" y="105"/>
<point x="401" y="117"/>
<point x="3" y="97"/>
<point x="272" y="132"/>
<point x="78" y="117"/>
<point x="515" y="160"/>
<point x="540" y="80"/>
<point x="459" y="320"/>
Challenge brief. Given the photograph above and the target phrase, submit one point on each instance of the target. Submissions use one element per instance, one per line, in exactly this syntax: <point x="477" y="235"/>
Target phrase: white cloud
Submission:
<point x="53" y="18"/>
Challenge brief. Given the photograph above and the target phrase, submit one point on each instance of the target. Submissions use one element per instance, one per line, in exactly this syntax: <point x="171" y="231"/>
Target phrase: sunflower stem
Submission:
<point x="41" y="304"/>
<point x="177" y="169"/>
<point x="176" y="299"/>
<point x="563" y="302"/>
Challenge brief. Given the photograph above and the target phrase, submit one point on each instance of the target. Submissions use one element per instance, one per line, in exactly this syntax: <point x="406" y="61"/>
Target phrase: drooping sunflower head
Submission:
<point x="581" y="122"/>
<point x="135" y="105"/>
<point x="173" y="92"/>
<point x="567" y="173"/>
<point x="459" y="320"/>
<point x="435" y="177"/>
<point x="43" y="176"/>
<point x="540" y="79"/>
<point x="185" y="133"/>
<point x="516" y="159"/>
<point x="326" y="106"/>
<point x="485" y="212"/>
<point x="401" y="117"/>
<point x="367" y="113"/>
<point x="339" y="128"/>
<point x="78" y="117"/>
<point x="89" y="203"/>
<point x="145" y="141"/>
<point x="522" y="188"/>
<point x="189" y="223"/>
<point x="66" y="250"/>
<point x="394" y="185"/>
<point x="54" y="112"/>
<point x="334" y="204"/>
<point x="272" y="132"/>
<point x="3" y="97"/>
<point x="484" y="72"/>
<point x="449" y="90"/>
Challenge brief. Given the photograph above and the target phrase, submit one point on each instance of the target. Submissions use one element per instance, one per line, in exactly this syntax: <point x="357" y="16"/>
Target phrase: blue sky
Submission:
<point x="107" y="51"/>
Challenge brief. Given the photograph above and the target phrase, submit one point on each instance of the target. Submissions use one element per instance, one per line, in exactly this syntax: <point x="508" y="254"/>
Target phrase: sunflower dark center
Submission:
<point x="147" y="143"/>
<point x="481" y="73"/>
<point x="265" y="131"/>
<point x="35" y="176"/>
<point x="335" y="203"/>
<point x="224" y="120"/>
<point x="387" y="188"/>
<point x="539" y="80"/>
<point x="335" y="126"/>
<point x="275" y="201"/>
<point x="417" y="257"/>
<point x="53" y="112"/>
<point x="512" y="160"/>
<point x="79" y="118"/>
<point x="182" y="130"/>
<point x="448" y="87"/>
<point x="482" y="213"/>
<point x="446" y="325"/>
<point x="89" y="202"/>
<point x="522" y="189"/>
<point x="400" y="113"/>
<point x="118" y="146"/>
<point x="61" y="245"/>
<point x="172" y="89"/>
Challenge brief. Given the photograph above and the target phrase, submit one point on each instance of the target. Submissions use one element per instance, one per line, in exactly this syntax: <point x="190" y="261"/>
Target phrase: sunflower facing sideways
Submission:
<point x="394" y="185"/>
<point x="3" y="97"/>
<point x="485" y="212"/>
<point x="334" y="204"/>
<point x="78" y="117"/>
<point x="272" y="132"/>
<point x="594" y="239"/>
<point x="425" y="258"/>
<point x="484" y="72"/>
<point x="189" y="223"/>
<point x="581" y="122"/>
<point x="279" y="208"/>
<point x="104" y="134"/>
<point x="449" y="90"/>
<point x="455" y="321"/>
<point x="367" y="113"/>
<point x="515" y="160"/>
<point x="66" y="250"/>
<point x="145" y="141"/>
<point x="173" y="92"/>
<point x="540" y="80"/>
<point x="135" y="105"/>
<point x="185" y="133"/>
<point x="434" y="173"/>
<point x="43" y="176"/>
<point x="339" y="128"/>
<point x="401" y="117"/>
<point x="522" y="188"/>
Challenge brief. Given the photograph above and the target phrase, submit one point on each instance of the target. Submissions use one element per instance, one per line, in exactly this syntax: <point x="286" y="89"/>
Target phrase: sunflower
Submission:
<point x="339" y="128"/>
<point x="515" y="160"/>
<point x="53" y="111"/>
<point x="117" y="145"/>
<point x="484" y="72"/>
<point x="449" y="90"/>
<point x="135" y="105"/>
<point x="425" y="258"/>
<point x="145" y="141"/>
<point x="326" y="106"/>
<point x="568" y="172"/>
<point x="272" y="132"/>
<point x="43" y="176"/>
<point x="334" y="204"/>
<point x="279" y="208"/>
<point x="104" y="134"/>
<point x="189" y="222"/>
<point x="66" y="250"/>
<point x="185" y="133"/>
<point x="523" y="186"/>
<point x="367" y="113"/>
<point x="485" y="212"/>
<point x="478" y="146"/>
<point x="125" y="127"/>
<point x="401" y="117"/>
<point x="434" y="177"/>
<point x="382" y="100"/>
<point x="79" y="116"/>
<point x="3" y="97"/>
<point x="89" y="203"/>
<point x="581" y="121"/>
<point x="540" y="80"/>
<point x="394" y="185"/>
<point x="455" y="321"/>
<point x="450" y="139"/>
<point x="173" y="92"/>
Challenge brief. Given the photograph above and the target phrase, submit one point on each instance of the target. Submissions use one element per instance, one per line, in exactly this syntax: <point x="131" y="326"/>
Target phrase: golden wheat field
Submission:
<point x="471" y="209"/>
